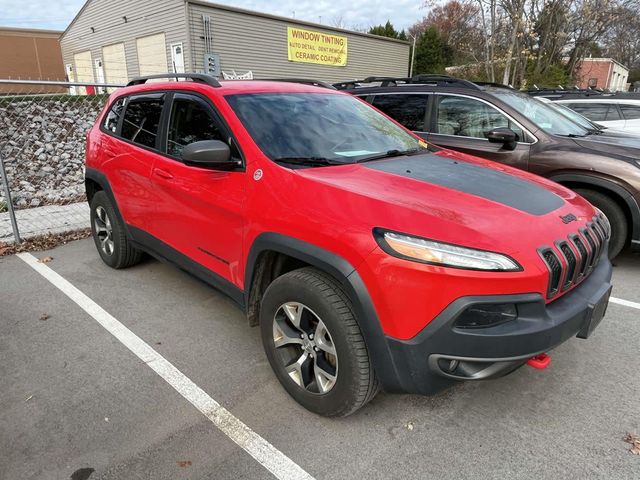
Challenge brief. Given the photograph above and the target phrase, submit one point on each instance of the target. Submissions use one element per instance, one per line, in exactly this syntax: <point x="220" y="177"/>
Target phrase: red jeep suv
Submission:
<point x="368" y="258"/>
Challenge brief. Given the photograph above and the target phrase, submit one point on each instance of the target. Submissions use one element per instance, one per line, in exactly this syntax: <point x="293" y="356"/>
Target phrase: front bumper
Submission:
<point x="442" y="354"/>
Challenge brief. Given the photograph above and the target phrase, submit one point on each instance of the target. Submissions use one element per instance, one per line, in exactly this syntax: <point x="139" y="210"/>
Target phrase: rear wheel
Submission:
<point x="615" y="215"/>
<point x="109" y="234"/>
<point x="314" y="344"/>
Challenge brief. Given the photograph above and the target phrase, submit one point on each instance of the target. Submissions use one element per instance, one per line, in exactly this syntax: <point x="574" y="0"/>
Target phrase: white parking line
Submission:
<point x="626" y="303"/>
<point x="267" y="455"/>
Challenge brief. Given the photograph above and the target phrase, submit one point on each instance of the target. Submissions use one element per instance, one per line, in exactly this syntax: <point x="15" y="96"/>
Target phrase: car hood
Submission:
<point x="615" y="133"/>
<point x="453" y="198"/>
<point x="622" y="146"/>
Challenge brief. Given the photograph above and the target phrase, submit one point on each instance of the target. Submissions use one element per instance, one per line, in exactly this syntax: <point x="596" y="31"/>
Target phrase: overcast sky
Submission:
<point x="56" y="14"/>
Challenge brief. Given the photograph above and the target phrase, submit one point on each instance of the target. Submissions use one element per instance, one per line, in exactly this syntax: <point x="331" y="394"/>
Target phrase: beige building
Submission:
<point x="115" y="40"/>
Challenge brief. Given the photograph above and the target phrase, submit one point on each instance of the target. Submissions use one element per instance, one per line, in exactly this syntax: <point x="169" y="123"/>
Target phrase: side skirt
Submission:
<point x="163" y="252"/>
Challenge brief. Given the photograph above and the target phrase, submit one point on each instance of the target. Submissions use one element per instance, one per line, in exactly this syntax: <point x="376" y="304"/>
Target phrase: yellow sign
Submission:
<point x="307" y="46"/>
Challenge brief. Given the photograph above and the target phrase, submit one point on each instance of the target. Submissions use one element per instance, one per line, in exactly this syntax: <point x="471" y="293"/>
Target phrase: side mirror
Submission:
<point x="208" y="154"/>
<point x="506" y="136"/>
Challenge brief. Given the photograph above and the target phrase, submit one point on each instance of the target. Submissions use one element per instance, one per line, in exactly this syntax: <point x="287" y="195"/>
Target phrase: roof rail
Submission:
<point x="444" y="81"/>
<point x="567" y="92"/>
<point x="494" y="84"/>
<point x="437" y="79"/>
<point x="195" y="77"/>
<point x="306" y="81"/>
<point x="387" y="81"/>
<point x="347" y="85"/>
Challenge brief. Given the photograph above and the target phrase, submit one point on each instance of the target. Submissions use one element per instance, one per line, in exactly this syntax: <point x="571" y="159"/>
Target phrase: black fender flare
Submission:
<point x="101" y="179"/>
<point x="603" y="184"/>
<point x="347" y="276"/>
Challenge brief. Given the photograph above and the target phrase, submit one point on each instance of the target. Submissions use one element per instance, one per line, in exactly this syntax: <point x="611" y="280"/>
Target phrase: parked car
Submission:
<point x="368" y="258"/>
<point x="605" y="133"/>
<point x="619" y="110"/>
<point x="504" y="125"/>
<point x="621" y="114"/>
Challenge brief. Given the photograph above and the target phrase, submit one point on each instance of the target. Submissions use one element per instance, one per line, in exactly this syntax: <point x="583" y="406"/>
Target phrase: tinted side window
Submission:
<point x="113" y="117"/>
<point x="409" y="110"/>
<point x="191" y="121"/>
<point x="467" y="117"/>
<point x="141" y="119"/>
<point x="630" y="112"/>
<point x="593" y="111"/>
<point x="613" y="113"/>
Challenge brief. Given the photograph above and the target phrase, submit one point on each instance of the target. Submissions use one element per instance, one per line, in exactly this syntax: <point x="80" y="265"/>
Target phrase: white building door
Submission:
<point x="177" y="57"/>
<point x="99" y="73"/>
<point x="68" y="68"/>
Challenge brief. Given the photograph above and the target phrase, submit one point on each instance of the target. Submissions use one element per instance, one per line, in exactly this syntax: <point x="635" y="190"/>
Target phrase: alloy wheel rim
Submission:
<point x="305" y="348"/>
<point x="104" y="231"/>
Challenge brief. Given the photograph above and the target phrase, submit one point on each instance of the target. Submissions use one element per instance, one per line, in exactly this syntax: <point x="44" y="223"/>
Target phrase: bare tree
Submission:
<point x="338" y="21"/>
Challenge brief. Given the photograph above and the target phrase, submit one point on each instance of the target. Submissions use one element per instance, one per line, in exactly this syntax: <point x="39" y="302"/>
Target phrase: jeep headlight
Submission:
<point x="443" y="254"/>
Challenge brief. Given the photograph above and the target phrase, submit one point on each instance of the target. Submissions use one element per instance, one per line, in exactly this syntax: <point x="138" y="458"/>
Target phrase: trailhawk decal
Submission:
<point x="469" y="178"/>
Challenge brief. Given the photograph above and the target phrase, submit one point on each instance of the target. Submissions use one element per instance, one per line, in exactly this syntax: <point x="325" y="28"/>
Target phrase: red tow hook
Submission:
<point x="540" y="362"/>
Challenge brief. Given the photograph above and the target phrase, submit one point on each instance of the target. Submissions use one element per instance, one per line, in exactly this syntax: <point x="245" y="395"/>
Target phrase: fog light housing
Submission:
<point x="489" y="315"/>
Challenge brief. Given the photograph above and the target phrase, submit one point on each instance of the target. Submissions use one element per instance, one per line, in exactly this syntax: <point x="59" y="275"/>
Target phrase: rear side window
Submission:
<point x="630" y="112"/>
<point x="191" y="121"/>
<point x="409" y="110"/>
<point x="598" y="112"/>
<point x="142" y="118"/>
<point x="613" y="113"/>
<point x="113" y="117"/>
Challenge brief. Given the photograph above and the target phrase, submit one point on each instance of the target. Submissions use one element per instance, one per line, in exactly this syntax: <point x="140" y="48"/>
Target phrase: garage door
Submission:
<point x="115" y="64"/>
<point x="84" y="69"/>
<point x="152" y="54"/>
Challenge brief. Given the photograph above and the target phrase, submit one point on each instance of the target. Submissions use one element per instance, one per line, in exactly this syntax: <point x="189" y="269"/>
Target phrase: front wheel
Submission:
<point x="314" y="344"/>
<point x="615" y="215"/>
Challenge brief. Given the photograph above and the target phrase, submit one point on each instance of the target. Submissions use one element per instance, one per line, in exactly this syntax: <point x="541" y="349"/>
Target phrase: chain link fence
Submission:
<point x="43" y="126"/>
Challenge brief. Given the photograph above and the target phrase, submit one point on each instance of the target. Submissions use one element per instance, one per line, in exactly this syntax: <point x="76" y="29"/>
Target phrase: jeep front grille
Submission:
<point x="555" y="271"/>
<point x="583" y="254"/>
<point x="571" y="260"/>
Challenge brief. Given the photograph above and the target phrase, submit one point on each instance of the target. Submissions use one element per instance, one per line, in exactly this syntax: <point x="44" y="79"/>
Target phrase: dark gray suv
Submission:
<point x="507" y="126"/>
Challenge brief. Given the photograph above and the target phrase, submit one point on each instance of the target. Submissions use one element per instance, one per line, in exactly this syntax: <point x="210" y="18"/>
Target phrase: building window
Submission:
<point x="593" y="82"/>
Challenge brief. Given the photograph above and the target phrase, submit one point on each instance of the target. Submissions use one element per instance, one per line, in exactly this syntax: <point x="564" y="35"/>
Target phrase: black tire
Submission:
<point x="615" y="215"/>
<point x="121" y="254"/>
<point x="355" y="383"/>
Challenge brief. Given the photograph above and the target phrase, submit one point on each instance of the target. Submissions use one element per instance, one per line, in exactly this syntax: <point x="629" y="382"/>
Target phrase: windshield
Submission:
<point x="544" y="116"/>
<point x="334" y="129"/>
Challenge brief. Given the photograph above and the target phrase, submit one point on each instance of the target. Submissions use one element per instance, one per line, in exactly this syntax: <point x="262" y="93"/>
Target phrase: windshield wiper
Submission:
<point x="573" y="135"/>
<point x="390" y="153"/>
<point x="309" y="161"/>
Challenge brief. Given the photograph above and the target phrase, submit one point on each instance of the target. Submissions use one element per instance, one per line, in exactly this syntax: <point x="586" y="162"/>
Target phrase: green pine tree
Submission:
<point x="387" y="30"/>
<point x="432" y="53"/>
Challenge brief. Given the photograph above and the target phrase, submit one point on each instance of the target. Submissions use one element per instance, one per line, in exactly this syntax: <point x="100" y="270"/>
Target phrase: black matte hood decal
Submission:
<point x="475" y="180"/>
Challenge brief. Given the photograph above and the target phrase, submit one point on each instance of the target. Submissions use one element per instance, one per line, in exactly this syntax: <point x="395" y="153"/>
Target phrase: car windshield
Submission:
<point x="319" y="128"/>
<point x="544" y="116"/>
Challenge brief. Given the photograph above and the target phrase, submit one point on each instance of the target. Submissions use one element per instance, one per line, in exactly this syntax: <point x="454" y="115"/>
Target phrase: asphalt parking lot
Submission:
<point x="77" y="403"/>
